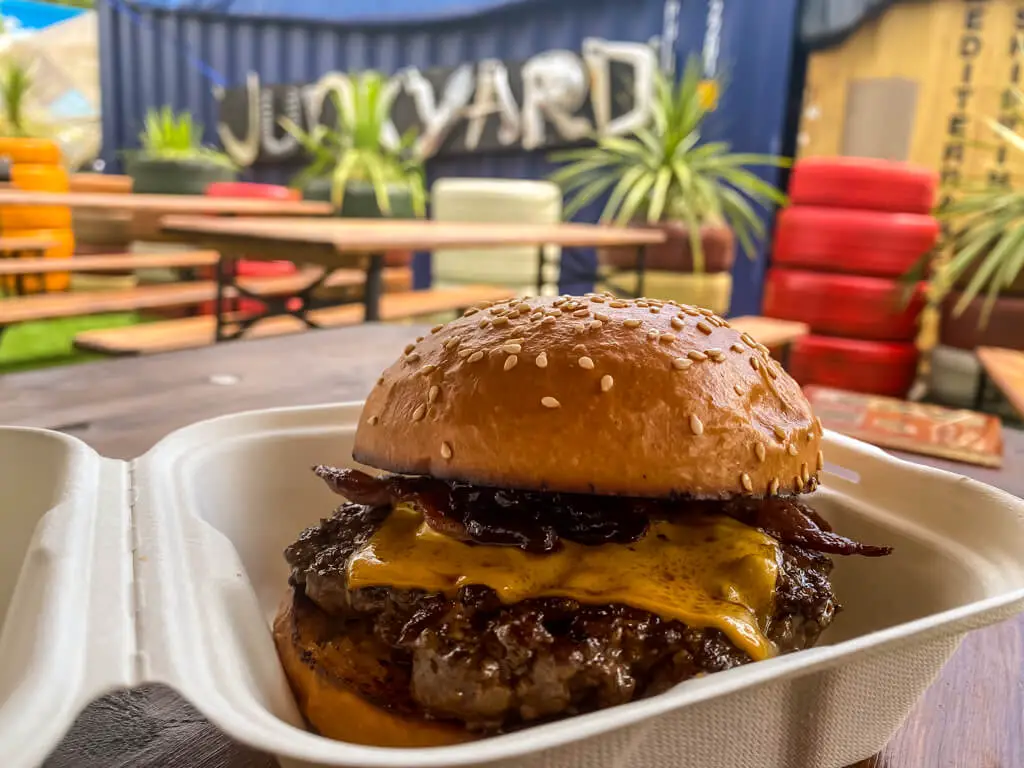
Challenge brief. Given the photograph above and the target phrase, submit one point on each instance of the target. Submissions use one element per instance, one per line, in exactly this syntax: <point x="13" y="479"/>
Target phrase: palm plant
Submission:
<point x="355" y="149"/>
<point x="15" y="83"/>
<point x="170" y="136"/>
<point x="986" y="234"/>
<point x="663" y="173"/>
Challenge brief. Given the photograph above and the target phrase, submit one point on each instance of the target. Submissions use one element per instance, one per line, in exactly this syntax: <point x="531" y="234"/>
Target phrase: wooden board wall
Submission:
<point x="916" y="83"/>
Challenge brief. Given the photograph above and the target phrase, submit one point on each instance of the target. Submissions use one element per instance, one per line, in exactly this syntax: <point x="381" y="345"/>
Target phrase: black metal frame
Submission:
<point x="275" y="306"/>
<point x="639" y="269"/>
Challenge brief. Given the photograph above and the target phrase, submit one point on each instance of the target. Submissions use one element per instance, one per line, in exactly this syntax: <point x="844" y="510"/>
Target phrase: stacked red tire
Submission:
<point x="855" y="227"/>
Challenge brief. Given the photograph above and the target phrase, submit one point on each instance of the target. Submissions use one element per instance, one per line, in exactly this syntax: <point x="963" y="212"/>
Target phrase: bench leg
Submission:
<point x="374" y="287"/>
<point x="540" y="271"/>
<point x="980" y="390"/>
<point x="224" y="265"/>
<point x="641" y="258"/>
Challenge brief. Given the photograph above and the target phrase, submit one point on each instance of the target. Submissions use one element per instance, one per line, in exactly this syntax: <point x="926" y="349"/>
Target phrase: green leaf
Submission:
<point x="622" y="188"/>
<point x="987" y="271"/>
<point x="658" y="195"/>
<point x="636" y="195"/>
<point x="587" y="195"/>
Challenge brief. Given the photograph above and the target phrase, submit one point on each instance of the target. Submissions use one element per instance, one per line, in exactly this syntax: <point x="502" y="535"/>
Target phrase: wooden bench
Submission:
<point x="45" y="306"/>
<point x="191" y="332"/>
<point x="769" y="331"/>
<point x="1005" y="367"/>
<point x="114" y="262"/>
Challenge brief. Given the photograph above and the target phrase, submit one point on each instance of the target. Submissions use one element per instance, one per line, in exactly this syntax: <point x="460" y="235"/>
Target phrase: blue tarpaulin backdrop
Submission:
<point x="174" y="51"/>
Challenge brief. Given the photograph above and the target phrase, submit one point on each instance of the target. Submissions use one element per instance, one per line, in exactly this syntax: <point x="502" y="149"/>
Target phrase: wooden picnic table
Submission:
<point x="1005" y="367"/>
<point x="363" y="243"/>
<point x="971" y="715"/>
<point x="166" y="204"/>
<point x="26" y="244"/>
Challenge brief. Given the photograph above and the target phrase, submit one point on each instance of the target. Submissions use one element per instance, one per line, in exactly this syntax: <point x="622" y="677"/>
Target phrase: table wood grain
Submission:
<point x="376" y="236"/>
<point x="166" y="204"/>
<point x="970" y="718"/>
<point x="1006" y="369"/>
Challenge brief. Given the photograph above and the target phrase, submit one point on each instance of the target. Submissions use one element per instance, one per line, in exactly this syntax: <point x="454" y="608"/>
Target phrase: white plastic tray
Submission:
<point x="169" y="569"/>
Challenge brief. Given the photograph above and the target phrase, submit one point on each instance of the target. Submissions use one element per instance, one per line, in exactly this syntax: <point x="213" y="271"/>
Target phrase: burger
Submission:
<point x="584" y="501"/>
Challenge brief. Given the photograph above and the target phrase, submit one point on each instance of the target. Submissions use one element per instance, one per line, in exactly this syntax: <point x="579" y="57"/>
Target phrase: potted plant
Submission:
<point x="980" y="286"/>
<point x="700" y="195"/>
<point x="352" y="165"/>
<point x="172" y="159"/>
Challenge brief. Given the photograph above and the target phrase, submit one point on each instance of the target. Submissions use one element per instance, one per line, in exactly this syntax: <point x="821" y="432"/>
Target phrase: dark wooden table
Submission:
<point x="970" y="718"/>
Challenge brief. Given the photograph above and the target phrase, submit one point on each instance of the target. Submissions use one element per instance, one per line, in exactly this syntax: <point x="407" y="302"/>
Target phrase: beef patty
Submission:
<point x="492" y="666"/>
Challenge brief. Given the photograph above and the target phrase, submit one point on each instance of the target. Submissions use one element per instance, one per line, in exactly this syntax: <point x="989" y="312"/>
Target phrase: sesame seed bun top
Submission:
<point x="593" y="394"/>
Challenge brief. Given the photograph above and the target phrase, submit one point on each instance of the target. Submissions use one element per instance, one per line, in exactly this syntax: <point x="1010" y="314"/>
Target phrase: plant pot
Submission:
<point x="711" y="291"/>
<point x="176" y="177"/>
<point x="674" y="255"/>
<point x="360" y="202"/>
<point x="1005" y="326"/>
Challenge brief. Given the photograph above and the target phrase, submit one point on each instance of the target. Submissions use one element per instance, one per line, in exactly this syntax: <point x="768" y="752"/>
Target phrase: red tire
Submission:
<point x="871" y="367"/>
<point x="245" y="189"/>
<point x="843" y="305"/>
<point x="861" y="182"/>
<point x="858" y="242"/>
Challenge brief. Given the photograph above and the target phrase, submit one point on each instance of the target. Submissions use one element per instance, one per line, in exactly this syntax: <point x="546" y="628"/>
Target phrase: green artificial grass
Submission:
<point x="44" y="343"/>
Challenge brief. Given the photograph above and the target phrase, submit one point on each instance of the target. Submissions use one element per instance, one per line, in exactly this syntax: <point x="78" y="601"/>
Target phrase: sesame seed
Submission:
<point x="512" y="348"/>
<point x="523" y="306"/>
<point x="643" y="304"/>
<point x="704" y="327"/>
<point x="581" y="313"/>
<point x="452" y="342"/>
<point x="804" y="473"/>
<point x="597" y="299"/>
<point x="713" y="352"/>
<point x="432" y="393"/>
<point x="549" y="320"/>
<point x="585" y="362"/>
<point x="681" y="363"/>
<point x="745" y="482"/>
<point x="677" y="323"/>
<point x="579" y="348"/>
<point x="373" y="421"/>
<point x="691" y="311"/>
<point x="483" y="323"/>
<point x="771" y="371"/>
<point x="499" y="321"/>
<point x="498" y="311"/>
<point x="484" y="304"/>
<point x="510" y="362"/>
<point x="705" y="311"/>
<point x="542" y="360"/>
<point x="631" y="323"/>
<point x="821" y="429"/>
<point x="738" y="389"/>
<point x="412" y="357"/>
<point x="760" y="451"/>
<point x="515" y="341"/>
<point x="798" y="484"/>
<point x="696" y="354"/>
<point x="773" y="487"/>
<point x="476" y="357"/>
<point x="595" y="324"/>
<point x="420" y="412"/>
<point x="748" y="340"/>
<point x="494" y="352"/>
<point x="655" y="310"/>
<point x="810" y="435"/>
<point x="606" y="383"/>
<point x="436" y="328"/>
<point x="446" y="451"/>
<point x="737" y="347"/>
<point x="820" y="464"/>
<point x="554" y="312"/>
<point x="755" y="363"/>
<point x="427" y="369"/>
<point x="764" y="350"/>
<point x="464" y="353"/>
<point x="409" y="348"/>
<point x="550" y="402"/>
<point x="653" y="333"/>
<point x="535" y="318"/>
<point x="779" y="432"/>
<point x="667" y="338"/>
<point x="602" y="317"/>
<point x="618" y="304"/>
<point x="558" y="302"/>
<point x="696" y="425"/>
<point x="792" y="449"/>
<point x="470" y="311"/>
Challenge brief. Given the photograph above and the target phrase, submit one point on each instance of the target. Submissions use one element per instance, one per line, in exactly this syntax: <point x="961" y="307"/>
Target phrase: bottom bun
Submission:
<point x="318" y="670"/>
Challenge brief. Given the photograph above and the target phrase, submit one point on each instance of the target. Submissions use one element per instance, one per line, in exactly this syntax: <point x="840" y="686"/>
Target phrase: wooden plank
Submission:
<point x="192" y="332"/>
<point x="1006" y="369"/>
<point x="101" y="182"/>
<point x="11" y="244"/>
<point x="163" y="204"/>
<point x="377" y="236"/>
<point x="44" y="306"/>
<point x="768" y="330"/>
<point x="114" y="262"/>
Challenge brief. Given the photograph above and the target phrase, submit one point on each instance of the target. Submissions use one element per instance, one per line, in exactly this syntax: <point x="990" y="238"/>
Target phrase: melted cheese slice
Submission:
<point x="711" y="571"/>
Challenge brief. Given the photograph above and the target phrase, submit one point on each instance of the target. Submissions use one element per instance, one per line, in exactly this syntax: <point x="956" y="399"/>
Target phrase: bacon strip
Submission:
<point x="535" y="522"/>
